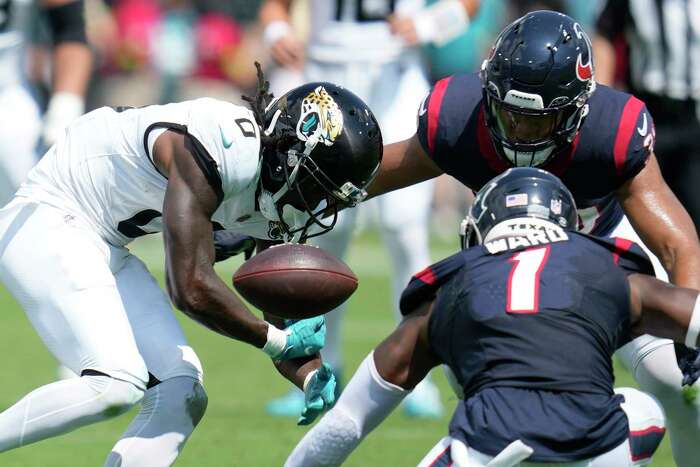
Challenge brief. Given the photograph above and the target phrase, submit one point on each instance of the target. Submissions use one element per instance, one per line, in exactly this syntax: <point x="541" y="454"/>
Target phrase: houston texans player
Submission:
<point x="527" y="317"/>
<point x="183" y="169"/>
<point x="536" y="103"/>
<point x="371" y="47"/>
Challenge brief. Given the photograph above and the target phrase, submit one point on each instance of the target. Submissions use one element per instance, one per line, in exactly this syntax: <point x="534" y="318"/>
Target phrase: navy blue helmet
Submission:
<point x="536" y="82"/>
<point x="519" y="193"/>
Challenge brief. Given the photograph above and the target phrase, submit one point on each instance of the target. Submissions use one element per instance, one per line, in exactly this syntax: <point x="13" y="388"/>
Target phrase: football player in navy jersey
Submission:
<point x="535" y="103"/>
<point x="527" y="317"/>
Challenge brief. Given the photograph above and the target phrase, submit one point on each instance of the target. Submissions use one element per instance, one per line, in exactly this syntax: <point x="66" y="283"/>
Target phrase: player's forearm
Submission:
<point x="274" y="10"/>
<point x="403" y="164"/>
<point x="72" y="58"/>
<point x="684" y="266"/>
<point x="211" y="303"/>
<point x="72" y="64"/>
<point x="296" y="370"/>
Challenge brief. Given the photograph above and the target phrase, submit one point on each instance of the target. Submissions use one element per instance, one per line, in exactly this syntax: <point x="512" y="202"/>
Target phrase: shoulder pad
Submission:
<point x="424" y="285"/>
<point x="625" y="253"/>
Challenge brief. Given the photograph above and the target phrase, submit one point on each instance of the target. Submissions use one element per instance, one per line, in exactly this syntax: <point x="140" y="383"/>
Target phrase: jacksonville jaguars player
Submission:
<point x="184" y="169"/>
<point x="536" y="103"/>
<point x="71" y="64"/>
<point x="371" y="47"/>
<point x="527" y="317"/>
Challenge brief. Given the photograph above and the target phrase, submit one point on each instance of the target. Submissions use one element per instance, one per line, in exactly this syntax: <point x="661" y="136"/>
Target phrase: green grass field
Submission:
<point x="239" y="379"/>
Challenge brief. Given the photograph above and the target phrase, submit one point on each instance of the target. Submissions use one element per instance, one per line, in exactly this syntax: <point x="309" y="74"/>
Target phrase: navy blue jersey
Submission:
<point x="613" y="145"/>
<point x="534" y="320"/>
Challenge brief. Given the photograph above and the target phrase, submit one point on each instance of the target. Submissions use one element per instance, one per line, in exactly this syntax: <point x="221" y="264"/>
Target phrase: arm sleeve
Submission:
<point x="365" y="402"/>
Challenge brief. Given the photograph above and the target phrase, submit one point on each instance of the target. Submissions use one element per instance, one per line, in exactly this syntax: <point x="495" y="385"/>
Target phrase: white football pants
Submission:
<point x="647" y="426"/>
<point x="96" y="307"/>
<point x="19" y="135"/>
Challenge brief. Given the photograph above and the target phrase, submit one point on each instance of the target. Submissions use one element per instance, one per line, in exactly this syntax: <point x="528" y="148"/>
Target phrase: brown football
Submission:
<point x="295" y="281"/>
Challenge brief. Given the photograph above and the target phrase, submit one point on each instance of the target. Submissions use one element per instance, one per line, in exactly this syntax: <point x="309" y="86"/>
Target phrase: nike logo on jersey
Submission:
<point x="227" y="142"/>
<point x="422" y="110"/>
<point x="643" y="130"/>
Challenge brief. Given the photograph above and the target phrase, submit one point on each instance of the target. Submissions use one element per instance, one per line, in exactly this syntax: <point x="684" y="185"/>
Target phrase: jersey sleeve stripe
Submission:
<point x="628" y="122"/>
<point x="426" y="276"/>
<point x="622" y="245"/>
<point x="434" y="106"/>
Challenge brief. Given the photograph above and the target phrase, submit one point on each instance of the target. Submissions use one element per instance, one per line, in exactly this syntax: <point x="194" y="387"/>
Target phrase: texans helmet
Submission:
<point x="536" y="84"/>
<point x="323" y="149"/>
<point x="522" y="193"/>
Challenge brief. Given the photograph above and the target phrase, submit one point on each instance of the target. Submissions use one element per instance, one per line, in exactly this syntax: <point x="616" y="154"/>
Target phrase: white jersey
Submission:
<point x="14" y="24"/>
<point x="348" y="30"/>
<point x="102" y="172"/>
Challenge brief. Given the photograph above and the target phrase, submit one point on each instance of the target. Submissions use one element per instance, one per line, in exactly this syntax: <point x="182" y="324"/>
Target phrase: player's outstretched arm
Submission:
<point x="403" y="164"/>
<point x="383" y="379"/>
<point x="189" y="253"/>
<point x="192" y="283"/>
<point x="663" y="310"/>
<point x="663" y="224"/>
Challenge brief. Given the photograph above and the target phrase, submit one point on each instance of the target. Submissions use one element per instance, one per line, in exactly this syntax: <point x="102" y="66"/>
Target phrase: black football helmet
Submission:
<point x="536" y="82"/>
<point x="322" y="147"/>
<point x="519" y="193"/>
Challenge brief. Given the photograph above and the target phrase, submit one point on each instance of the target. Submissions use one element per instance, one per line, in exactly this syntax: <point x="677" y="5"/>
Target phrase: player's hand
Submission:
<point x="288" y="51"/>
<point x="319" y="394"/>
<point x="689" y="363"/>
<point x="304" y="337"/>
<point x="405" y="28"/>
<point x="227" y="244"/>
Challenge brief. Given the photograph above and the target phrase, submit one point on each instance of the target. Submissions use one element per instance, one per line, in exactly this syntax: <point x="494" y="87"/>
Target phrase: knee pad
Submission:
<point x="646" y="419"/>
<point x="116" y="396"/>
<point x="180" y="395"/>
<point x="338" y="429"/>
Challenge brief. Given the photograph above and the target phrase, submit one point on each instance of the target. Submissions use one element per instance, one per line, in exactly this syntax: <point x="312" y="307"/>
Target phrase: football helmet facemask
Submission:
<point x="536" y="84"/>
<point x="517" y="202"/>
<point x="324" y="148"/>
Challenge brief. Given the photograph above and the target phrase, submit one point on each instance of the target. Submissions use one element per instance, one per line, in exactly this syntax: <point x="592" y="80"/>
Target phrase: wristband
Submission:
<point x="276" y="341"/>
<point x="441" y="22"/>
<point x="275" y="31"/>
<point x="66" y="104"/>
<point x="308" y="379"/>
<point x="691" y="338"/>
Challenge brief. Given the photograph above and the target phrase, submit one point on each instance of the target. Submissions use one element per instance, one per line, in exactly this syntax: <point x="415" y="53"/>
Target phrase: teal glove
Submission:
<point x="319" y="394"/>
<point x="299" y="339"/>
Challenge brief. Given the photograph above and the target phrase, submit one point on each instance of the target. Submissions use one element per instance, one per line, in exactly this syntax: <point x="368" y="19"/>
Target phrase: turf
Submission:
<point x="239" y="379"/>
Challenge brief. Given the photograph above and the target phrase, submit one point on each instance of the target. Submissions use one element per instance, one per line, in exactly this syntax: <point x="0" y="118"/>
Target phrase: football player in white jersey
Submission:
<point x="185" y="169"/>
<point x="72" y="61"/>
<point x="369" y="46"/>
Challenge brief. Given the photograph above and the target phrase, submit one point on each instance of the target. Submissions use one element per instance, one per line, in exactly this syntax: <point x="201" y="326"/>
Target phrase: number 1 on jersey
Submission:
<point x="524" y="280"/>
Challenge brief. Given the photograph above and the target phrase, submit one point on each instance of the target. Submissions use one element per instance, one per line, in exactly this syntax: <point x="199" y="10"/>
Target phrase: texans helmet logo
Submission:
<point x="584" y="72"/>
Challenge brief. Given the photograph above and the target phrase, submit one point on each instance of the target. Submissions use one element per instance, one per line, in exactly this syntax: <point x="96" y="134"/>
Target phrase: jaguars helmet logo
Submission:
<point x="320" y="117"/>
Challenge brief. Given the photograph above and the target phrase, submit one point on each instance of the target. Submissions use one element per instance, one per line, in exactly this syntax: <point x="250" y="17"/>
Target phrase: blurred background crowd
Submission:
<point x="157" y="51"/>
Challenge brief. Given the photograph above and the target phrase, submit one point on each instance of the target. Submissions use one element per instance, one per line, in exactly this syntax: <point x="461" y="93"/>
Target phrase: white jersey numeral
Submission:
<point x="524" y="280"/>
